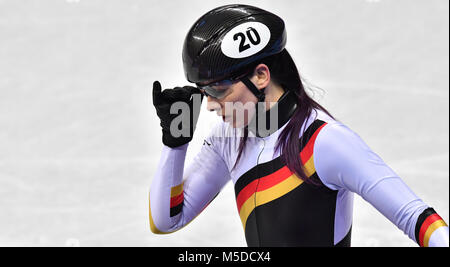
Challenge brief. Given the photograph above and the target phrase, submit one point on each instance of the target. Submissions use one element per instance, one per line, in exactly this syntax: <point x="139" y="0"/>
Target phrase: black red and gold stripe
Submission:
<point x="278" y="209"/>
<point x="428" y="222"/>
<point x="176" y="200"/>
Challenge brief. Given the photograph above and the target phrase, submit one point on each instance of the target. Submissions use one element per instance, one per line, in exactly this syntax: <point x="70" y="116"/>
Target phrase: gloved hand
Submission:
<point x="163" y="102"/>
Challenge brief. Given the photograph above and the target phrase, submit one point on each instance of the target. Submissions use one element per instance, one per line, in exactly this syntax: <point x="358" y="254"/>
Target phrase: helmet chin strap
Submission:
<point x="258" y="93"/>
<point x="253" y="126"/>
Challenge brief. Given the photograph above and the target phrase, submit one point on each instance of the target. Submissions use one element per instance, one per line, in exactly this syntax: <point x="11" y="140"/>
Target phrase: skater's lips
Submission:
<point x="225" y="118"/>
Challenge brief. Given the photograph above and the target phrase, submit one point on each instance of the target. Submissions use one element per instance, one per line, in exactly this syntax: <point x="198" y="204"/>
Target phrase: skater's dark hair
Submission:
<point x="284" y="73"/>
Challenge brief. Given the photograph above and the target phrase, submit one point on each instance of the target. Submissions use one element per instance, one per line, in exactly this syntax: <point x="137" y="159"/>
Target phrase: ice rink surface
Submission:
<point x="80" y="140"/>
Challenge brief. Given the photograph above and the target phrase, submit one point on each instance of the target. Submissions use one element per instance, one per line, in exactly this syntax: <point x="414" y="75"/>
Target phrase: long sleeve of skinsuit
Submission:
<point x="177" y="196"/>
<point x="345" y="162"/>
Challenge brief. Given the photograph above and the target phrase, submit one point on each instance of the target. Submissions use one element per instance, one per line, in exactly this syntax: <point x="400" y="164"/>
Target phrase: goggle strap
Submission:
<point x="258" y="93"/>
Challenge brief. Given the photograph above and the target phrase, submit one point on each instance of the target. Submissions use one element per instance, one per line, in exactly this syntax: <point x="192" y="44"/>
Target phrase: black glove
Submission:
<point x="163" y="102"/>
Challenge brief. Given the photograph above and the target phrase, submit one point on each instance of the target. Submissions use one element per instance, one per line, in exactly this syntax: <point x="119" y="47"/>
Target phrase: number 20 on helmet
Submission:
<point x="227" y="39"/>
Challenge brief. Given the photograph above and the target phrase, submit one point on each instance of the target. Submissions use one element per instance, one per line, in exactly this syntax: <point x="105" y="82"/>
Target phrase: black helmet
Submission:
<point x="227" y="39"/>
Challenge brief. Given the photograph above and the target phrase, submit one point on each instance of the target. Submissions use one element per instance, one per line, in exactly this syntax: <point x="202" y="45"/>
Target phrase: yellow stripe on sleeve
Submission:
<point x="176" y="190"/>
<point x="430" y="231"/>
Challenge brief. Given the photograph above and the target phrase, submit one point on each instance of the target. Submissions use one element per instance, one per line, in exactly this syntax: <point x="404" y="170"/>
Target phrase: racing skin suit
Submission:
<point x="276" y="207"/>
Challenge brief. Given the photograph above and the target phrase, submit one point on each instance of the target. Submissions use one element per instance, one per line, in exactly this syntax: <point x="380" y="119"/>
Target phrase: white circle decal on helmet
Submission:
<point x="245" y="40"/>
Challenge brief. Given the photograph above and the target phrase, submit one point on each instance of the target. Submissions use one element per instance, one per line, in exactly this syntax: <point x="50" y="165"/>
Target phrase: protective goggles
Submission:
<point x="220" y="89"/>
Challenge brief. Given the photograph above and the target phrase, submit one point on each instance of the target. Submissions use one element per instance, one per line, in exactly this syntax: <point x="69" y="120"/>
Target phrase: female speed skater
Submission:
<point x="295" y="168"/>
